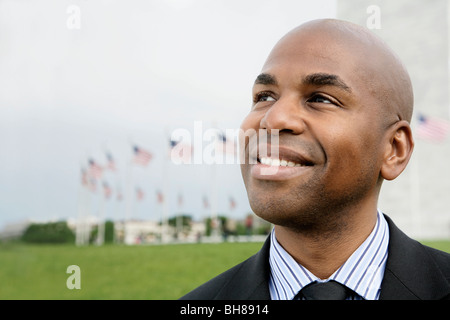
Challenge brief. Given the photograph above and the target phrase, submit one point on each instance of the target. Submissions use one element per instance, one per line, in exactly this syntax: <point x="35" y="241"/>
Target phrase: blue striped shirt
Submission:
<point x="362" y="272"/>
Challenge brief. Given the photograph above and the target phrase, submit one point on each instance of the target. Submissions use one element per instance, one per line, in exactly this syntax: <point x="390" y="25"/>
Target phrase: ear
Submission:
<point x="399" y="147"/>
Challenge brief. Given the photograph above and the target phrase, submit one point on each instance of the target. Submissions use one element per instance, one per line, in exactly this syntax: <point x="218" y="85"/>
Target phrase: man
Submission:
<point x="340" y="102"/>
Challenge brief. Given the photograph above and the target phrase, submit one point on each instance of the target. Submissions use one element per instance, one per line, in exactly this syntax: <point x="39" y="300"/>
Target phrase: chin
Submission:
<point x="274" y="209"/>
<point x="304" y="214"/>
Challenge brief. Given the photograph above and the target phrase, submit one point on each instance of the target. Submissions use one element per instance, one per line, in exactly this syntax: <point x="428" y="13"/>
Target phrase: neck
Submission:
<point x="322" y="253"/>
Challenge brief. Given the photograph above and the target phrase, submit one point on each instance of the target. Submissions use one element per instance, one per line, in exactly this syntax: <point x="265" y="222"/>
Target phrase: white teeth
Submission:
<point x="278" y="162"/>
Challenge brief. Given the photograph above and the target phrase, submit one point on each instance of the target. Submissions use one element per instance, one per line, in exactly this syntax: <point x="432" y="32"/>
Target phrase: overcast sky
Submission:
<point x="132" y="72"/>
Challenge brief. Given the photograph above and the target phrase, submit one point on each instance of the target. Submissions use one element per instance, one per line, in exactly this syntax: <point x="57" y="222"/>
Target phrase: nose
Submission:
<point x="284" y="115"/>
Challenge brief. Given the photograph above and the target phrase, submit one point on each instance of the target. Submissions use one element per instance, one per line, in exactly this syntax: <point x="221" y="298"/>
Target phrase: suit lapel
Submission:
<point x="261" y="291"/>
<point x="410" y="272"/>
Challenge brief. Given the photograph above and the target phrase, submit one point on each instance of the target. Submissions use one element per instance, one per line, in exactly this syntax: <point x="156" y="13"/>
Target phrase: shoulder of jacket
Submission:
<point x="441" y="258"/>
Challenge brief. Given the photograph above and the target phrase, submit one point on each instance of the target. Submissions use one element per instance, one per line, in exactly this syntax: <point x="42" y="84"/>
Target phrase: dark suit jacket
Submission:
<point x="413" y="272"/>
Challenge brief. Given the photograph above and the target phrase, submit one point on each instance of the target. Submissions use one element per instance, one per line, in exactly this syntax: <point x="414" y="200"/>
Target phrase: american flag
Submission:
<point x="224" y="144"/>
<point x="111" y="163"/>
<point x="88" y="182"/>
<point x="180" y="152"/>
<point x="107" y="191"/>
<point x="92" y="185"/>
<point x="432" y="129"/>
<point x="84" y="178"/>
<point x="232" y="203"/>
<point x="119" y="196"/>
<point x="139" y="194"/>
<point x="205" y="202"/>
<point x="95" y="171"/>
<point x="159" y="196"/>
<point x="173" y="143"/>
<point x="141" y="156"/>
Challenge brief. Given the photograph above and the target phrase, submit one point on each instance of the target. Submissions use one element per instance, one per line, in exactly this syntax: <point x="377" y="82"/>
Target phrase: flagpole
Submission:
<point x="166" y="188"/>
<point x="85" y="233"/>
<point x="116" y="214"/>
<point x="129" y="199"/>
<point x="179" y="218"/>
<point x="83" y="207"/>
<point x="102" y="214"/>
<point x="80" y="217"/>
<point x="214" y="217"/>
<point x="86" y="201"/>
<point x="101" y="220"/>
<point x="137" y="196"/>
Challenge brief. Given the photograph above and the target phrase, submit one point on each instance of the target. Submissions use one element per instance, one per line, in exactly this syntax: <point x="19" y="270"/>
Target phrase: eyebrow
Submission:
<point x="326" y="79"/>
<point x="315" y="79"/>
<point x="266" y="79"/>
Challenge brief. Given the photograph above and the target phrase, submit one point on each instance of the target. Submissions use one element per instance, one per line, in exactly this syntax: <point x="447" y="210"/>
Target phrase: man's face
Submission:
<point x="319" y="96"/>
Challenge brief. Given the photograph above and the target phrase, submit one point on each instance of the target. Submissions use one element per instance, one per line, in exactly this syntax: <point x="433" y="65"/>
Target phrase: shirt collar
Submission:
<point x="362" y="272"/>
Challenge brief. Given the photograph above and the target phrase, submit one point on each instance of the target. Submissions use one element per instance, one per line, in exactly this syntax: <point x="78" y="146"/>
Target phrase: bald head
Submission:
<point x="375" y="66"/>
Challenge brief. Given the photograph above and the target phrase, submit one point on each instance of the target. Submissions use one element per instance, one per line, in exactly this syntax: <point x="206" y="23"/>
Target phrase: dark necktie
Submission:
<point x="330" y="290"/>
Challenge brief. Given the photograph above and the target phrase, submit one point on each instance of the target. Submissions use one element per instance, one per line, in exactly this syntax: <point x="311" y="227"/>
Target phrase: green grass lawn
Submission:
<point x="443" y="245"/>
<point x="114" y="272"/>
<point x="119" y="272"/>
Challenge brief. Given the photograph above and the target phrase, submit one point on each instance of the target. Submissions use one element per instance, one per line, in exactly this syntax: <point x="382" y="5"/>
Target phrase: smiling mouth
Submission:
<point x="276" y="162"/>
<point x="279" y="168"/>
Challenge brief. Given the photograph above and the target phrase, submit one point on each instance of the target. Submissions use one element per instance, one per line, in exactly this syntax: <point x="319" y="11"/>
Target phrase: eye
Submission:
<point x="263" y="96"/>
<point x="318" y="98"/>
<point x="324" y="99"/>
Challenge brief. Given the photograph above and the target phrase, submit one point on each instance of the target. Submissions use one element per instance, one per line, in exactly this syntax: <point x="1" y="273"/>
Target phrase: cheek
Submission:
<point x="352" y="161"/>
